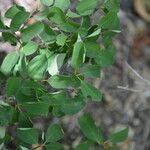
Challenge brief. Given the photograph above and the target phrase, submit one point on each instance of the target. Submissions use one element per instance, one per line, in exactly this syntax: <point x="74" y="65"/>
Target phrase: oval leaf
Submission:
<point x="54" y="133"/>
<point x="89" y="90"/>
<point x="31" y="31"/>
<point x="78" y="55"/>
<point x="9" y="62"/>
<point x="89" y="128"/>
<point x="37" y="67"/>
<point x="119" y="136"/>
<point x="28" y="135"/>
<point x="18" y="20"/>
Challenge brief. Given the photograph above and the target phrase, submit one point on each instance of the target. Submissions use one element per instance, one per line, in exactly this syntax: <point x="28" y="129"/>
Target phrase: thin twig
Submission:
<point x="137" y="74"/>
<point x="129" y="89"/>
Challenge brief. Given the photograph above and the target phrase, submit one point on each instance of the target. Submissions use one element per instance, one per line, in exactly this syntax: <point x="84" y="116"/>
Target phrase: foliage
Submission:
<point x="37" y="84"/>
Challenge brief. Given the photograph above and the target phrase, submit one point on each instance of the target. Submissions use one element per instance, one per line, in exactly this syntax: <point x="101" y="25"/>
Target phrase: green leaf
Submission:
<point x="56" y="98"/>
<point x="69" y="26"/>
<point x="9" y="37"/>
<point x="31" y="31"/>
<point x="54" y="133"/>
<point x="48" y="35"/>
<point x="23" y="148"/>
<point x="78" y="55"/>
<point x="9" y="62"/>
<point x="89" y="128"/>
<point x="56" y="63"/>
<point x="36" y="108"/>
<point x="42" y="14"/>
<point x="61" y="39"/>
<point x="53" y="146"/>
<point x="62" y="4"/>
<point x="86" y="7"/>
<point x="2" y="26"/>
<point x="95" y="33"/>
<point x="92" y="49"/>
<point x="24" y="120"/>
<point x="12" y="11"/>
<point x="73" y="106"/>
<point x="37" y="67"/>
<point x="119" y="136"/>
<point x="12" y="86"/>
<point x="56" y="15"/>
<point x="110" y="21"/>
<point x="6" y="114"/>
<point x="22" y="66"/>
<point x="71" y="14"/>
<point x="86" y="22"/>
<point x="28" y="135"/>
<point x="47" y="2"/>
<point x="105" y="57"/>
<point x="89" y="90"/>
<point x="63" y="104"/>
<point x="112" y="5"/>
<point x="92" y="71"/>
<point x="29" y="48"/>
<point x="62" y="81"/>
<point x="18" y="20"/>
<point x="84" y="145"/>
<point x="2" y="132"/>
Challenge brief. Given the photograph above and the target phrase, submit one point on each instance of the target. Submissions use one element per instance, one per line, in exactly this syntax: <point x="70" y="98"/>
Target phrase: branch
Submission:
<point x="137" y="74"/>
<point x="129" y="89"/>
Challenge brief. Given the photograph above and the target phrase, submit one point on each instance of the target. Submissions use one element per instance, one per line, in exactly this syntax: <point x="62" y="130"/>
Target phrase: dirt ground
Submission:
<point x="126" y="86"/>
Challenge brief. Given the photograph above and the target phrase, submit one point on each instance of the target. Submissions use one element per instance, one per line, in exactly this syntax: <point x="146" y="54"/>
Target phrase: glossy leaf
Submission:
<point x="86" y="7"/>
<point x="9" y="37"/>
<point x="28" y="135"/>
<point x="61" y="39"/>
<point x="37" y="67"/>
<point x="12" y="86"/>
<point x="48" y="35"/>
<point x="29" y="48"/>
<point x="56" y="62"/>
<point x="62" y="4"/>
<point x="2" y="132"/>
<point x="92" y="49"/>
<point x="12" y="11"/>
<point x="90" y="91"/>
<point x="92" y="71"/>
<point x="47" y="2"/>
<point x="54" y="133"/>
<point x="71" y="14"/>
<point x="78" y="55"/>
<point x="9" y="62"/>
<point x="119" y="136"/>
<point x="105" y="58"/>
<point x="89" y="128"/>
<point x="112" y="5"/>
<point x="6" y="115"/>
<point x="84" y="145"/>
<point x="53" y="146"/>
<point x="56" y="15"/>
<point x="36" y="108"/>
<point x="18" y="20"/>
<point x="31" y="31"/>
<point x="61" y="81"/>
<point x="73" y="106"/>
<point x="110" y="21"/>
<point x="2" y="26"/>
<point x="23" y="148"/>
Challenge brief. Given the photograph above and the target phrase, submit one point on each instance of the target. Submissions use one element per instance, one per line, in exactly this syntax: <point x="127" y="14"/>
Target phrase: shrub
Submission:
<point x="48" y="74"/>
